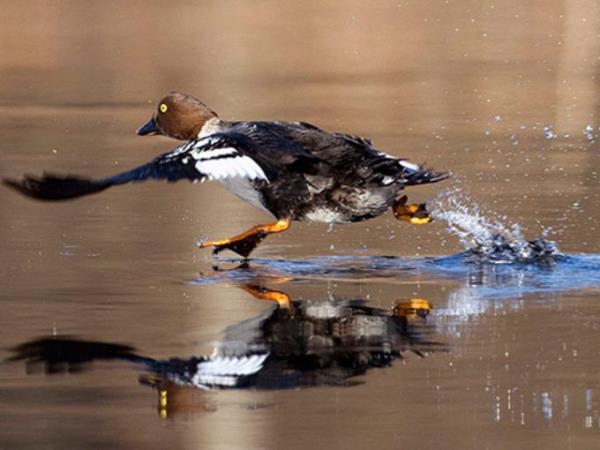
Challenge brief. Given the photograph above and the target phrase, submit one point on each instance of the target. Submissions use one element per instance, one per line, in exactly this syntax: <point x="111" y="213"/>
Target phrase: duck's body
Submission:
<point x="295" y="171"/>
<point x="310" y="175"/>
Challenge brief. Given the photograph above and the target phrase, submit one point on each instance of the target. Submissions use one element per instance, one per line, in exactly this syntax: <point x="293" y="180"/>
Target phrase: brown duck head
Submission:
<point x="179" y="116"/>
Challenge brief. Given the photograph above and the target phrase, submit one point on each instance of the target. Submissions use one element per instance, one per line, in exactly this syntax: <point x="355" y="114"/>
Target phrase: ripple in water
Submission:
<point x="485" y="239"/>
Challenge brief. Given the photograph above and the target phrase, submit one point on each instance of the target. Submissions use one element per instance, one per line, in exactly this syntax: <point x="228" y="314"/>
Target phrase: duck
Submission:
<point x="294" y="171"/>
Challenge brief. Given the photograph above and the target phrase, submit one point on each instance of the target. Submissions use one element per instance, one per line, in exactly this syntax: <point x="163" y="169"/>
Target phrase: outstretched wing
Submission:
<point x="216" y="157"/>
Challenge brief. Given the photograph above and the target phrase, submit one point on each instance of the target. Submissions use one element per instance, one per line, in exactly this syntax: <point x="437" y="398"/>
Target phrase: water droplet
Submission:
<point x="589" y="133"/>
<point x="549" y="133"/>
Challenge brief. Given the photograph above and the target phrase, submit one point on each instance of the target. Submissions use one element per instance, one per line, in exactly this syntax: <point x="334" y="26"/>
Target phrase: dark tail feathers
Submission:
<point x="424" y="176"/>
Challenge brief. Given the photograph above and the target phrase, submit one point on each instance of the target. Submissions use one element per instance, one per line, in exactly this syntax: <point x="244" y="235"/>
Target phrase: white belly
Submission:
<point x="325" y="215"/>
<point x="243" y="188"/>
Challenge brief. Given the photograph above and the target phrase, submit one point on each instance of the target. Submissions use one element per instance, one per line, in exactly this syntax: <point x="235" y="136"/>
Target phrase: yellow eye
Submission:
<point x="163" y="108"/>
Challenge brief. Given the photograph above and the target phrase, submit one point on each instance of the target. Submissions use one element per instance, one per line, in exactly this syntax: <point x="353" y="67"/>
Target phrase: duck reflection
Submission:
<point x="326" y="342"/>
<point x="293" y="344"/>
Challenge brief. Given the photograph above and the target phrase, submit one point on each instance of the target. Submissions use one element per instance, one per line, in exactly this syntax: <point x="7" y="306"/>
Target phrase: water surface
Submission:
<point x="504" y="96"/>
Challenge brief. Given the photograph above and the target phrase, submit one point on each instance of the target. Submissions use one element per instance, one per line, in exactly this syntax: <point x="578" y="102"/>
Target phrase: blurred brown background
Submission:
<point x="499" y="92"/>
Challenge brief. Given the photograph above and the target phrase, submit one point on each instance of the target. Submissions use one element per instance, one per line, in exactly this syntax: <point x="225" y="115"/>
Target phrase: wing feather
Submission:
<point x="215" y="157"/>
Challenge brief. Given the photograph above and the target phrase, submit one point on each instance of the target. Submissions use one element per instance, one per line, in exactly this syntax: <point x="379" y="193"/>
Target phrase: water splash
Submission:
<point x="484" y="238"/>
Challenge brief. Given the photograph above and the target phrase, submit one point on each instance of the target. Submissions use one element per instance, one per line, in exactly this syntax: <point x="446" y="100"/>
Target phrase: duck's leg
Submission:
<point x="415" y="213"/>
<point x="262" y="293"/>
<point x="244" y="243"/>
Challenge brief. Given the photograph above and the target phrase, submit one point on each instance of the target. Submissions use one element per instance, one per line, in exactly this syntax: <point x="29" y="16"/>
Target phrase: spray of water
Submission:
<point x="485" y="238"/>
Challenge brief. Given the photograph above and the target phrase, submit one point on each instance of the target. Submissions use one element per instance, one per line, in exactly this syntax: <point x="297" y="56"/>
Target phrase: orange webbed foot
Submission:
<point x="415" y="213"/>
<point x="243" y="244"/>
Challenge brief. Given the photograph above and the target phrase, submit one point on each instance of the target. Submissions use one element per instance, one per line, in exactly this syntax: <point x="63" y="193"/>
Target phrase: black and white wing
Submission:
<point x="215" y="157"/>
<point x="222" y="156"/>
<point x="217" y="371"/>
<point x="227" y="371"/>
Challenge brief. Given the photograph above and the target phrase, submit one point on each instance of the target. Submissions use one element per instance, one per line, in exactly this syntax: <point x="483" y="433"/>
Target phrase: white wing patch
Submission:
<point x="224" y="371"/>
<point x="226" y="162"/>
<point x="215" y="153"/>
<point x="179" y="150"/>
<point x="409" y="165"/>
